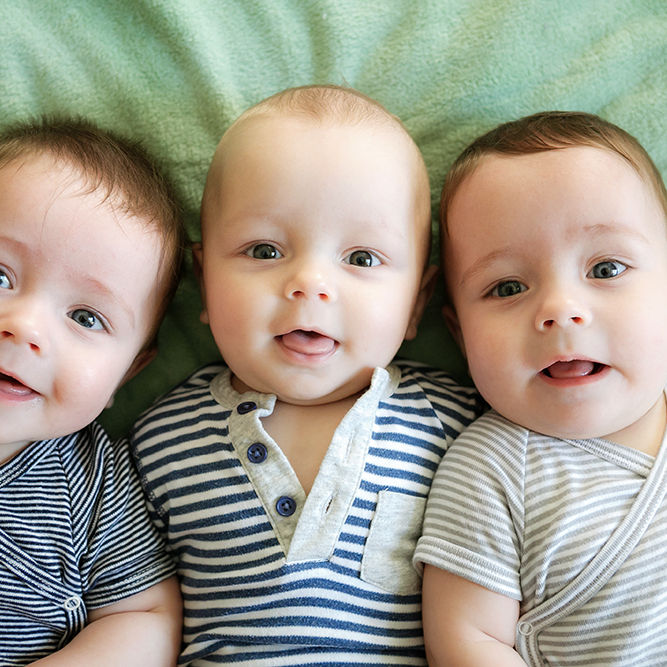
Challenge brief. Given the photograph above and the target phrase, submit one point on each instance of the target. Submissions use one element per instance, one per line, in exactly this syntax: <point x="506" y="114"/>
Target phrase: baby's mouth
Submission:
<point x="561" y="370"/>
<point x="10" y="385"/>
<point x="308" y="342"/>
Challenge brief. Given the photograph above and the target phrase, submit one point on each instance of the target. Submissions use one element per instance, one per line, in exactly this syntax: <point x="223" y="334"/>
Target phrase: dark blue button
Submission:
<point x="257" y="453"/>
<point x="286" y="506"/>
<point x="246" y="406"/>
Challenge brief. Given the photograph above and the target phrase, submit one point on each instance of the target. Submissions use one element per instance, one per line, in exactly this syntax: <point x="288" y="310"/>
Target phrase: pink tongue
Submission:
<point x="307" y="342"/>
<point x="569" y="369"/>
<point x="12" y="386"/>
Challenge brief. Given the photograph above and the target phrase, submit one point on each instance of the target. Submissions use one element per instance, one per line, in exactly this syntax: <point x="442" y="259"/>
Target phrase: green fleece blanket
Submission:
<point x="175" y="73"/>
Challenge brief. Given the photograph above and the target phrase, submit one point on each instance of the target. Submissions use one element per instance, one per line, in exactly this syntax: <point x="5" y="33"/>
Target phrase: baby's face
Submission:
<point x="557" y="263"/>
<point x="77" y="297"/>
<point x="312" y="258"/>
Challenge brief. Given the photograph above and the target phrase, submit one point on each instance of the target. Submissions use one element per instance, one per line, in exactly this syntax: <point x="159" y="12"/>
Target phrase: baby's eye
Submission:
<point x="607" y="269"/>
<point x="86" y="319"/>
<point x="263" y="251"/>
<point x="508" y="288"/>
<point x="362" y="258"/>
<point x="5" y="283"/>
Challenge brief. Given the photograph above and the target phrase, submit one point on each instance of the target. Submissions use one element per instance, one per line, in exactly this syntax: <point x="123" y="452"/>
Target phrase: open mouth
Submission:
<point x="577" y="368"/>
<point x="309" y="343"/>
<point x="11" y="381"/>
<point x="13" y="387"/>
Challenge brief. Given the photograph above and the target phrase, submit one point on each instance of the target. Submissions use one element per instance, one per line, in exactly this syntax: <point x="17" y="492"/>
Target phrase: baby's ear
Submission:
<point x="423" y="297"/>
<point x="198" y="265"/>
<point x="452" y="322"/>
<point x="140" y="362"/>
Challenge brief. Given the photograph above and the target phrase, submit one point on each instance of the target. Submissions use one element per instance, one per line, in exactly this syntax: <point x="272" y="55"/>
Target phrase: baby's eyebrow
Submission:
<point x="12" y="242"/>
<point x="97" y="287"/>
<point x="606" y="228"/>
<point x="483" y="262"/>
<point x="91" y="284"/>
<point x="597" y="229"/>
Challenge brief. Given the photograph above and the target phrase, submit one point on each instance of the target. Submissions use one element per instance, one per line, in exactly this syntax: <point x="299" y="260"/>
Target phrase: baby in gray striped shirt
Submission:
<point x="546" y="522"/>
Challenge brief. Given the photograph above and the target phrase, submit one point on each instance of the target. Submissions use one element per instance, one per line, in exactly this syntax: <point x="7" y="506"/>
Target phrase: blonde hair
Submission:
<point x="325" y="102"/>
<point x="328" y="103"/>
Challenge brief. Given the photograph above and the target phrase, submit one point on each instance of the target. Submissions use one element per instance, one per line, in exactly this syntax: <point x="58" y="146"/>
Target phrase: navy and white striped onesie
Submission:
<point x="271" y="576"/>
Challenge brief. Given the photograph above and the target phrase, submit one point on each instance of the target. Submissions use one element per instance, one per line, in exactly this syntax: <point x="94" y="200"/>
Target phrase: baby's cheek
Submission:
<point x="487" y="365"/>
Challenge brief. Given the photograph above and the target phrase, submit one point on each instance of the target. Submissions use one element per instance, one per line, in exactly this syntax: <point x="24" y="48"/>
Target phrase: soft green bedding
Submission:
<point x="175" y="73"/>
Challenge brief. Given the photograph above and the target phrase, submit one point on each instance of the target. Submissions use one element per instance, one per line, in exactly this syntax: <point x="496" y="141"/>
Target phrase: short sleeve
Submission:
<point x="473" y="525"/>
<point x="121" y="552"/>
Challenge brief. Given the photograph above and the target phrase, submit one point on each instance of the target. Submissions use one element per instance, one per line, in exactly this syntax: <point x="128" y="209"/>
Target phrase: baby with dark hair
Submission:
<point x="90" y="252"/>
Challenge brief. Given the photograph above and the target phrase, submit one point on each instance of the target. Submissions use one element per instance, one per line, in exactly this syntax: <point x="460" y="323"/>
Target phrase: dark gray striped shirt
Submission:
<point x="74" y="535"/>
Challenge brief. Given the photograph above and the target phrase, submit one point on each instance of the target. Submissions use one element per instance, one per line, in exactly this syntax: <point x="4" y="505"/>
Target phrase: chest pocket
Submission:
<point x="394" y="531"/>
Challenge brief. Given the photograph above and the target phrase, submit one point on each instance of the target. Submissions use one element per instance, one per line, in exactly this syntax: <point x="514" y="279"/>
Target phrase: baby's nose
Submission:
<point x="23" y="324"/>
<point x="310" y="281"/>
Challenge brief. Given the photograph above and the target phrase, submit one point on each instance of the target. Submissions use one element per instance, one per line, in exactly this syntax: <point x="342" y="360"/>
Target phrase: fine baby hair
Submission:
<point x="303" y="462"/>
<point x="546" y="131"/>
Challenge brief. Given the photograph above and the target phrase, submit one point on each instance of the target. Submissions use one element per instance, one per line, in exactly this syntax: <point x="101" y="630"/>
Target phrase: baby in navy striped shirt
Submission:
<point x="290" y="481"/>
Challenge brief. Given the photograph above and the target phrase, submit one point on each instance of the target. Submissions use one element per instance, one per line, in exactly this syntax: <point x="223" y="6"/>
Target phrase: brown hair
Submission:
<point x="124" y="173"/>
<point x="546" y="131"/>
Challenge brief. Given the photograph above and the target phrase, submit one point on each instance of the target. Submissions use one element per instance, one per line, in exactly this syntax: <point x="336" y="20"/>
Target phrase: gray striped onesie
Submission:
<point x="575" y="530"/>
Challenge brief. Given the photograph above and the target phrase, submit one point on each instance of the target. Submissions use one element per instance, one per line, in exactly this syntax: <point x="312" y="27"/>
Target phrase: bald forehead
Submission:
<point x="252" y="136"/>
<point x="247" y="124"/>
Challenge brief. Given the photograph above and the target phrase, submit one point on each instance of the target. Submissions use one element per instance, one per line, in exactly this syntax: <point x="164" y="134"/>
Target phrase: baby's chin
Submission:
<point x="314" y="400"/>
<point x="314" y="396"/>
<point x="572" y="426"/>
<point x="566" y="421"/>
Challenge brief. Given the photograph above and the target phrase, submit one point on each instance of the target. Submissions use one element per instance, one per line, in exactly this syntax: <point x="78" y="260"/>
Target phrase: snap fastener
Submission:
<point x="286" y="506"/>
<point x="246" y="406"/>
<point x="73" y="602"/>
<point x="525" y="628"/>
<point x="257" y="453"/>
